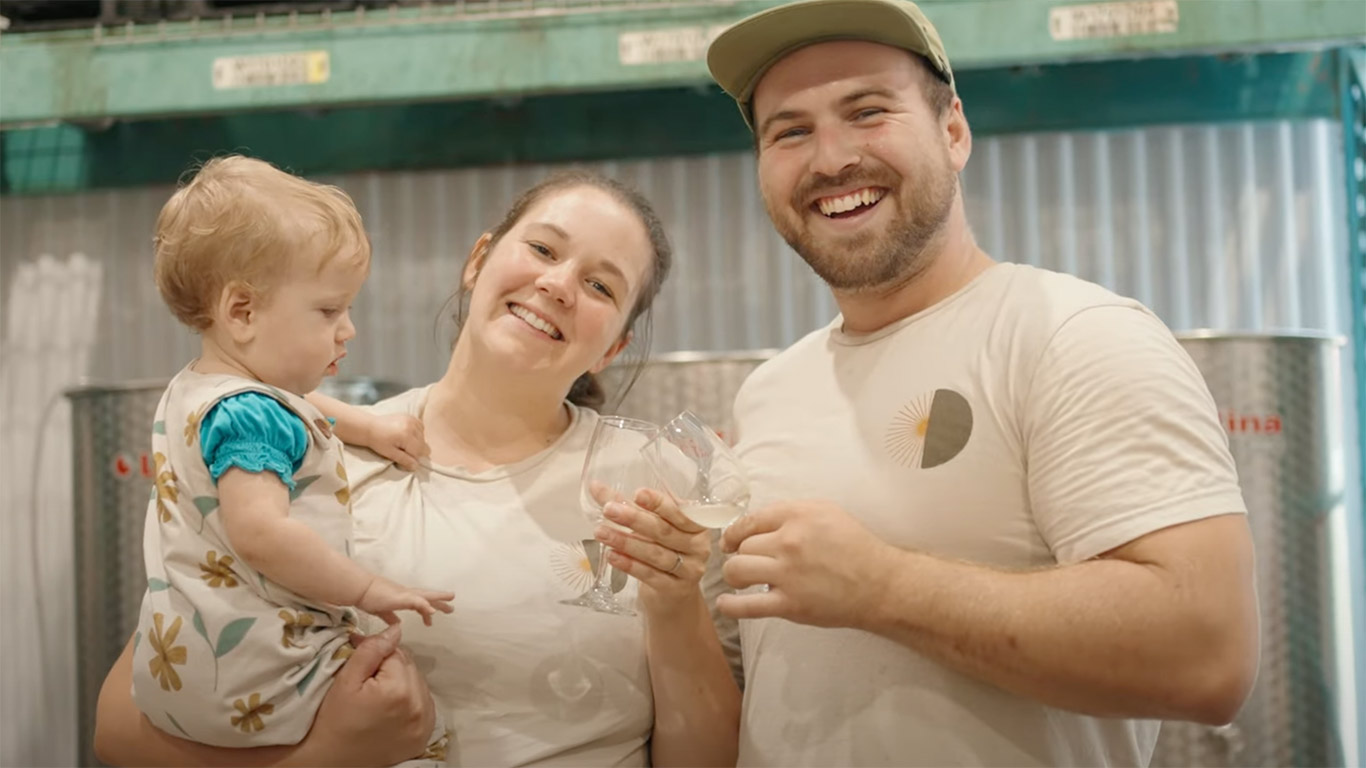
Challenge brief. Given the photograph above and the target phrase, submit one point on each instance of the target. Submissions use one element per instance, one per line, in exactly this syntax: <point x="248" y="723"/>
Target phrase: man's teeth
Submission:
<point x="535" y="322"/>
<point x="833" y="205"/>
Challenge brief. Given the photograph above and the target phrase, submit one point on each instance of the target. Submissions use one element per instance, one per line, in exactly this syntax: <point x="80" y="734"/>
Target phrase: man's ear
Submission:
<point x="959" y="135"/>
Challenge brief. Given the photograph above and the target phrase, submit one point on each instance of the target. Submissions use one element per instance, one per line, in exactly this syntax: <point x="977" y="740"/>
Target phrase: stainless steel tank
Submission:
<point x="702" y="382"/>
<point x="1280" y="398"/>
<point x="112" y="472"/>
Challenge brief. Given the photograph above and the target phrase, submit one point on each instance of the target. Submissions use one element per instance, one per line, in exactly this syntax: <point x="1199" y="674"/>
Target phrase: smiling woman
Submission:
<point x="559" y="262"/>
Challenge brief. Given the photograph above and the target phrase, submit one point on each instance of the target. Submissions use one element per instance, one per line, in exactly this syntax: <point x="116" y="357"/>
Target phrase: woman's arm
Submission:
<point x="378" y="712"/>
<point x="697" y="702"/>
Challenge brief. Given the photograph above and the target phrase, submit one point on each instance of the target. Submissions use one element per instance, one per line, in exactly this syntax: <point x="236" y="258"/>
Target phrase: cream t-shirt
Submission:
<point x="519" y="678"/>
<point x="1029" y="420"/>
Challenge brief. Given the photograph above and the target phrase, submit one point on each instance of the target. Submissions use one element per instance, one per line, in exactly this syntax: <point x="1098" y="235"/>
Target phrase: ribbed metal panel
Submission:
<point x="1232" y="227"/>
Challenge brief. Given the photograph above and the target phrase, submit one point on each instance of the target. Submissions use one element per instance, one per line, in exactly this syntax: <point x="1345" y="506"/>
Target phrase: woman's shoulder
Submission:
<point x="409" y="402"/>
<point x="582" y="422"/>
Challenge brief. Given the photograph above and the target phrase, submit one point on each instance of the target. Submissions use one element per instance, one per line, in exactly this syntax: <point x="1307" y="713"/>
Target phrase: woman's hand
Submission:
<point x="665" y="550"/>
<point x="378" y="711"/>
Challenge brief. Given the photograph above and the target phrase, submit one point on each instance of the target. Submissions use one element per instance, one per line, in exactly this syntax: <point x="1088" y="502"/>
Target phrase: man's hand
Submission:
<point x="822" y="567"/>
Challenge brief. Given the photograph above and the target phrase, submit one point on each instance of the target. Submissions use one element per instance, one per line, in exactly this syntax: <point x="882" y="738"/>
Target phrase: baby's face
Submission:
<point x="303" y="323"/>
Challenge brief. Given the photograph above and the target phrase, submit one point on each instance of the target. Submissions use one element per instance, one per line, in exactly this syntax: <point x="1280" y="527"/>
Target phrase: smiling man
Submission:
<point x="994" y="505"/>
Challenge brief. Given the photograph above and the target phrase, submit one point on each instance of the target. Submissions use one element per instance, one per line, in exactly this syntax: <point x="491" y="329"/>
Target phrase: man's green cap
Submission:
<point x="740" y="56"/>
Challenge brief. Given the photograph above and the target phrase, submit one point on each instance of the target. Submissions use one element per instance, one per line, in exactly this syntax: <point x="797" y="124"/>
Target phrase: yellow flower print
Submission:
<point x="437" y="749"/>
<point x="166" y="487"/>
<point x="251" y="712"/>
<point x="167" y="653"/>
<point x="343" y="651"/>
<point x="295" y="625"/>
<point x="192" y="427"/>
<point x="344" y="495"/>
<point x="218" y="570"/>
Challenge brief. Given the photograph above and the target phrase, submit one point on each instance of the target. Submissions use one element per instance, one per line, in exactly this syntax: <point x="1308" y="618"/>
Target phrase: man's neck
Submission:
<point x="952" y="261"/>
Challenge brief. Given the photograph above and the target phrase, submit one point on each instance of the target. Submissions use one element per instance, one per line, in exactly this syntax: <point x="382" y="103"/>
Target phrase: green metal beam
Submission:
<point x="529" y="47"/>
<point x="654" y="123"/>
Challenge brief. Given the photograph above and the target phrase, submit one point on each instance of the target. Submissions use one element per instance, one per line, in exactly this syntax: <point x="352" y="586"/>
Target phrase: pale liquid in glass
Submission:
<point x="713" y="515"/>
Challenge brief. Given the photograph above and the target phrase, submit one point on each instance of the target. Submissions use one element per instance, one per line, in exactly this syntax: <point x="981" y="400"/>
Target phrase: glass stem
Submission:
<point x="601" y="580"/>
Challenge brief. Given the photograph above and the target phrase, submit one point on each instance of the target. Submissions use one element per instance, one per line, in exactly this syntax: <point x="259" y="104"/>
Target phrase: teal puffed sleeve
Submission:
<point x="253" y="432"/>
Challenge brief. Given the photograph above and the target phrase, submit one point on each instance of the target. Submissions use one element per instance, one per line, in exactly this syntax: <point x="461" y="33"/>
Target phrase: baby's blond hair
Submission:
<point x="244" y="220"/>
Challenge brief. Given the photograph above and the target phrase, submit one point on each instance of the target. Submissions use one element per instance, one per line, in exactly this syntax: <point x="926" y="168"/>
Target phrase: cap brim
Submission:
<point x="740" y="56"/>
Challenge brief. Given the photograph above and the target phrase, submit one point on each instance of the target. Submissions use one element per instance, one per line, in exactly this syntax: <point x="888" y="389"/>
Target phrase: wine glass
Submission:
<point x="699" y="471"/>
<point x="613" y="471"/>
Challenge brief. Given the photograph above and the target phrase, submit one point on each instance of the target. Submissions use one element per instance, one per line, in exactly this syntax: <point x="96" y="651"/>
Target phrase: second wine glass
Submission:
<point x="699" y="471"/>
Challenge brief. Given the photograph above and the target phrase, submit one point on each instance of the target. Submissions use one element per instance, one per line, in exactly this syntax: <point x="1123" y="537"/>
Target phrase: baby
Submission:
<point x="250" y="584"/>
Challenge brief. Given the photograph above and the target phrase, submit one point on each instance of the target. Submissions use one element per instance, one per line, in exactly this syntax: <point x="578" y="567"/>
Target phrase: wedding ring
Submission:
<point x="677" y="564"/>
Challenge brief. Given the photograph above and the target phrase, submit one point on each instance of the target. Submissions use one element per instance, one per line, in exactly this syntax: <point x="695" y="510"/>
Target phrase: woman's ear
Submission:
<point x="478" y="255"/>
<point x="236" y="311"/>
<point x="612" y="352"/>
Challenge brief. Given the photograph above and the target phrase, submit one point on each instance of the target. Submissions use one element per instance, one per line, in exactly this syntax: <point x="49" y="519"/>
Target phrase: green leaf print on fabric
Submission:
<point x="157" y="585"/>
<point x="178" y="726"/>
<point x="206" y="506"/>
<point x="308" y="678"/>
<point x="300" y="485"/>
<point x="198" y="622"/>
<point x="158" y="427"/>
<point x="228" y="639"/>
<point x="232" y="635"/>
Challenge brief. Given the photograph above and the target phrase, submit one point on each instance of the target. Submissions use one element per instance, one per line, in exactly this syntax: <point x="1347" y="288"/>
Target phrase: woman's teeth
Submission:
<point x="531" y="319"/>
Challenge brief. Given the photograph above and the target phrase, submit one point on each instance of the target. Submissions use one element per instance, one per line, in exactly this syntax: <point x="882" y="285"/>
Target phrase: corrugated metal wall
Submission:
<point x="1235" y="226"/>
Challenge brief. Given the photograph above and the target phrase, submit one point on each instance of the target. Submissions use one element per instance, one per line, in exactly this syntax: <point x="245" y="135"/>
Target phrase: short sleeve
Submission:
<point x="1122" y="437"/>
<point x="253" y="432"/>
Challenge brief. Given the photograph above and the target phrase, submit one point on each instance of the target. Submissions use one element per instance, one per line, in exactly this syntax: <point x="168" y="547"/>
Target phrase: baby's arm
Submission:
<point x="255" y="510"/>
<point x="395" y="436"/>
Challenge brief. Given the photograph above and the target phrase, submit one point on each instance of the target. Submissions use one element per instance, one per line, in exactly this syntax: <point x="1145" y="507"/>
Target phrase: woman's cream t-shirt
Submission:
<point x="519" y="678"/>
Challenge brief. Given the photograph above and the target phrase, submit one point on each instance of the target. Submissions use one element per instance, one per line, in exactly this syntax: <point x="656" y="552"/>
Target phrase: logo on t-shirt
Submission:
<point x="930" y="430"/>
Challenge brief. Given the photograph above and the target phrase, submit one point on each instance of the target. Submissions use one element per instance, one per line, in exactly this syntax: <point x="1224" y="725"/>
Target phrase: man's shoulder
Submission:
<point x="1039" y="302"/>
<point x="793" y="358"/>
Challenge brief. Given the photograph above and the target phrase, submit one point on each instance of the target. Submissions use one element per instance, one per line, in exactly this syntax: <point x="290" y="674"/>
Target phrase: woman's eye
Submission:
<point x="542" y="250"/>
<point x="870" y="112"/>
<point x="601" y="288"/>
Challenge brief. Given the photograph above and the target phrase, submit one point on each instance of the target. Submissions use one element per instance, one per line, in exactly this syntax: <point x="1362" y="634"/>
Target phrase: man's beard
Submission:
<point x="873" y="259"/>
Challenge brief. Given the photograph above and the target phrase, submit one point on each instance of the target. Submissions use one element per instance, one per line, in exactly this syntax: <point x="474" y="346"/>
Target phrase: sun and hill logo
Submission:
<point x="930" y="430"/>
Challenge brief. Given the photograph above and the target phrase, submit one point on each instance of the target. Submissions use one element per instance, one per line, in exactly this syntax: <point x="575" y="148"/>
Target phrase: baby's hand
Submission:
<point x="383" y="597"/>
<point x="399" y="438"/>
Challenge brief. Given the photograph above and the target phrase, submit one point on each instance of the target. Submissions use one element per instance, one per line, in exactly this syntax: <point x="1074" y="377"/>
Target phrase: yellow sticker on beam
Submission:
<point x="271" y="69"/>
<point x="1118" y="19"/>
